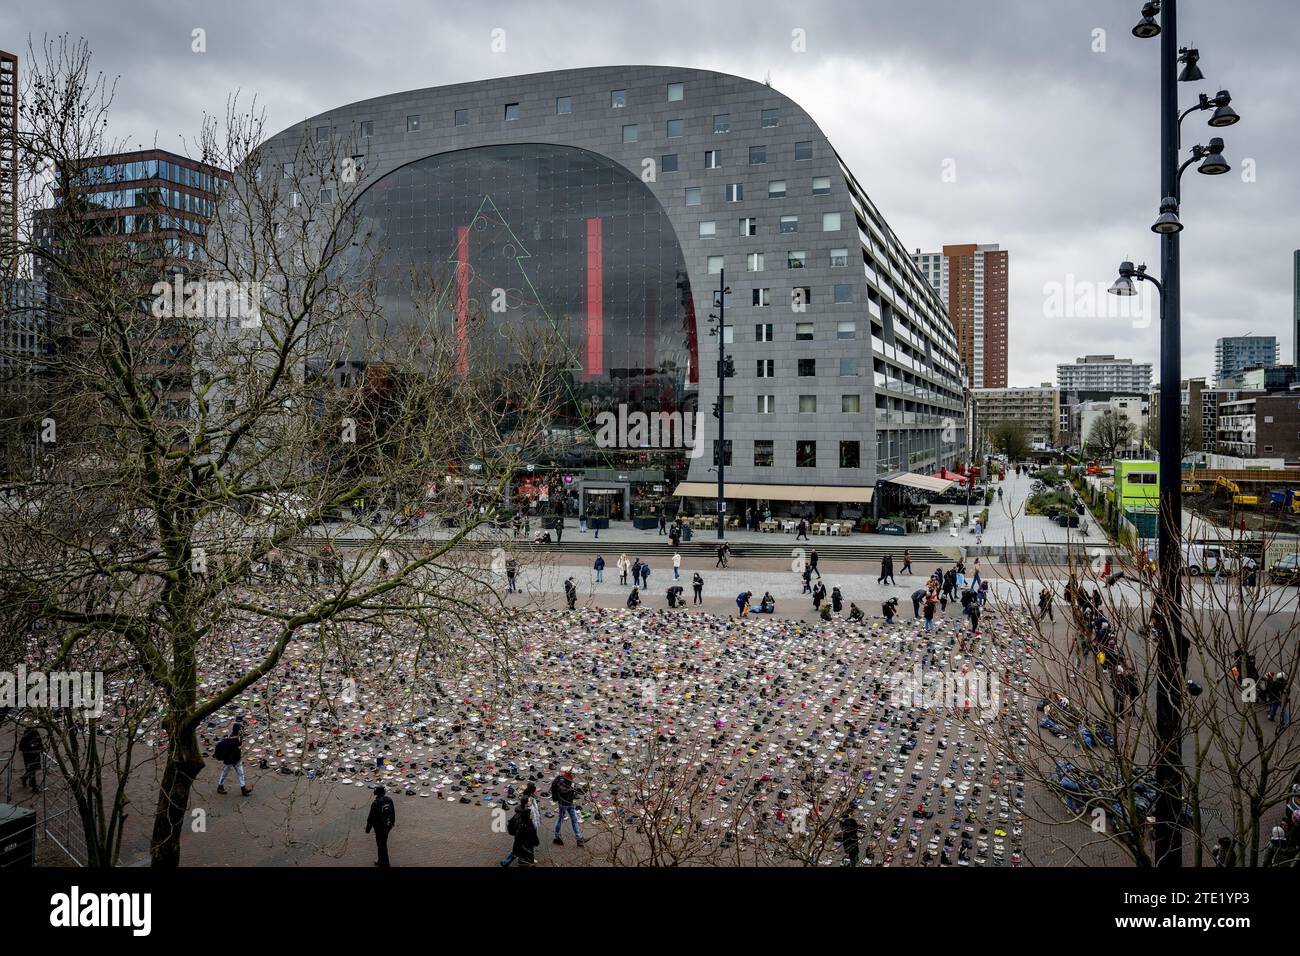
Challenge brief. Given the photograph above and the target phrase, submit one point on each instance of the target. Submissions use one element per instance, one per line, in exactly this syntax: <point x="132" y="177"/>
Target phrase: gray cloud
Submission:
<point x="1053" y="144"/>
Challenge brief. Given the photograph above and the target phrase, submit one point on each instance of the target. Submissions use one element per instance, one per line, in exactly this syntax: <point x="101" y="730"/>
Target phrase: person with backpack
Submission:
<point x="599" y="566"/>
<point x="381" y="820"/>
<point x="645" y="574"/>
<point x="229" y="750"/>
<point x="697" y="585"/>
<point x="570" y="593"/>
<point x="524" y="827"/>
<point x="565" y="795"/>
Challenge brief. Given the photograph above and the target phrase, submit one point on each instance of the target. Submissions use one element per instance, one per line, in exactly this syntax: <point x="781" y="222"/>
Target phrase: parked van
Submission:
<point x="1211" y="558"/>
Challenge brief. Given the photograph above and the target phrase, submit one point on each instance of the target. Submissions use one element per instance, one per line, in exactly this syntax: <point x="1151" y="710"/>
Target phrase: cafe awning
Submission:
<point x="842" y="493"/>
<point x="921" y="482"/>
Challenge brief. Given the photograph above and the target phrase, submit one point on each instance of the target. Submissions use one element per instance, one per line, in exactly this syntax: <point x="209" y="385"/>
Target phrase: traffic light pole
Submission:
<point x="722" y="410"/>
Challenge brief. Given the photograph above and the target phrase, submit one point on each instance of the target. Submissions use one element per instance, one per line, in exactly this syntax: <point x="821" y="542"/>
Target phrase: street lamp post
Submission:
<point x="1171" y="647"/>
<point x="720" y="410"/>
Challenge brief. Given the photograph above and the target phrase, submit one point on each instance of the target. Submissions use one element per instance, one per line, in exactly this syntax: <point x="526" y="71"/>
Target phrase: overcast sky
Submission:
<point x="1049" y="126"/>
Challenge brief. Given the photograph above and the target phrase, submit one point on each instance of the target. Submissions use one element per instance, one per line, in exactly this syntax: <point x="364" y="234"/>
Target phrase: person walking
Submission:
<point x="623" y="564"/>
<point x="807" y="580"/>
<point x="645" y="574"/>
<point x="907" y="561"/>
<point x="818" y="595"/>
<point x="697" y="585"/>
<point x="570" y="593"/>
<point x="512" y="570"/>
<point x="380" y="821"/>
<point x="565" y="795"/>
<point x="812" y="563"/>
<point x="663" y="523"/>
<point x="31" y="748"/>
<point x="229" y="750"/>
<point x="559" y="528"/>
<point x="889" y="569"/>
<point x="722" y="556"/>
<point x="524" y="827"/>
<point x="677" y="566"/>
<point x="802" y="530"/>
<point x="884" y="570"/>
<point x="1045" y="605"/>
<point x="599" y="567"/>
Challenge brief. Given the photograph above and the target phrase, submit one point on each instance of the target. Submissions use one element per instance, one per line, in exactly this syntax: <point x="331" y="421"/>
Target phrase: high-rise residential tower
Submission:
<point x="972" y="281"/>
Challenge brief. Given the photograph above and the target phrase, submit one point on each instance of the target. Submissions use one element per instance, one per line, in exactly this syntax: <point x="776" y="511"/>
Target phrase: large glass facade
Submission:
<point x="576" y="241"/>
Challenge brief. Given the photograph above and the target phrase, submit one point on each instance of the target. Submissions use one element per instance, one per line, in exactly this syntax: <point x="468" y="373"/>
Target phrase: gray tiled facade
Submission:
<point x="908" y="377"/>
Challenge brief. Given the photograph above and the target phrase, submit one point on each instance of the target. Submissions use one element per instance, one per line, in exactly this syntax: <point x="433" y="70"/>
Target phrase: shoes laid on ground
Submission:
<point x="222" y="790"/>
<point x="245" y="791"/>
<point x="558" y="842"/>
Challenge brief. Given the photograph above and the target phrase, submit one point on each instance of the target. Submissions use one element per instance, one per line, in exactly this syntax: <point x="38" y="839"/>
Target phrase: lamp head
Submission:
<point x="1189" y="56"/>
<point x="1214" y="164"/>
<point x="1147" y="27"/>
<point x="1224" y="115"/>
<point x="1167" y="222"/>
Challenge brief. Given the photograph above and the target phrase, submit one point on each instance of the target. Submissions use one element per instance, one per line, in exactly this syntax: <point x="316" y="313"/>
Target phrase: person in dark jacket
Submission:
<point x="229" y="751"/>
<point x="566" y="795"/>
<point x="812" y="563"/>
<point x="634" y="598"/>
<point x="523" y="827"/>
<point x="818" y="595"/>
<point x="31" y="748"/>
<point x="918" y="596"/>
<point x="857" y="617"/>
<point x="570" y="593"/>
<point x="559" y="528"/>
<point x="697" y="585"/>
<point x="599" y="567"/>
<point x="837" y="600"/>
<point x="381" y="820"/>
<point x="849" y="839"/>
<point x="889" y="609"/>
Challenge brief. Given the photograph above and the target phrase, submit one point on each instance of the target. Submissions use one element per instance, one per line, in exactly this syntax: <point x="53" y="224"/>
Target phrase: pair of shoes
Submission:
<point x="245" y="791"/>
<point x="222" y="790"/>
<point x="558" y="842"/>
<point x="581" y="842"/>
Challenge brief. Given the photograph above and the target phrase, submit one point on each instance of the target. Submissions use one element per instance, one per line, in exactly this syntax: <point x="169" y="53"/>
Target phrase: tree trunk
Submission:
<point x="183" y="765"/>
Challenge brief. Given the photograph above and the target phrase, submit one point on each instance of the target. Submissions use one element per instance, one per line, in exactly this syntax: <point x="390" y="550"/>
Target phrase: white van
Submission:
<point x="1211" y="558"/>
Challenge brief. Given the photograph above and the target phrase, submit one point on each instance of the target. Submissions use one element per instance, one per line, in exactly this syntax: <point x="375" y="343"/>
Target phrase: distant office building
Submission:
<point x="1236" y="352"/>
<point x="1036" y="410"/>
<point x="972" y="281"/>
<point x="22" y="337"/>
<point x="1096" y="376"/>
<point x="1268" y="378"/>
<point x="1085" y="415"/>
<point x="8" y="162"/>
<point x="1192" y="407"/>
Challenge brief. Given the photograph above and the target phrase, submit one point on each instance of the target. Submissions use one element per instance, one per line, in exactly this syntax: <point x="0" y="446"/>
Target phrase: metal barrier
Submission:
<point x="60" y="821"/>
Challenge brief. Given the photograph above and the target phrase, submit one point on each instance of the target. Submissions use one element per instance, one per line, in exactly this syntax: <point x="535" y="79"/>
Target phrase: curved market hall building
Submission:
<point x="608" y="202"/>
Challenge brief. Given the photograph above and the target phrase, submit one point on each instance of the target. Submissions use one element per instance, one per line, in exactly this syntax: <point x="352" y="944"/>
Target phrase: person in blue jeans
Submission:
<point x="1276" y="695"/>
<point x="600" y="568"/>
<point x="564" y="792"/>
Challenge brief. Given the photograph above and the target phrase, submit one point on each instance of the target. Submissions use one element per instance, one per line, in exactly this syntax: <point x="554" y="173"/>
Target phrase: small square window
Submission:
<point x="512" y="111"/>
<point x="754" y="262"/>
<point x="413" y="124"/>
<point x="803" y="332"/>
<point x="803" y="150"/>
<point x="848" y="366"/>
<point x="766" y="368"/>
<point x="789" y="223"/>
<point x="629" y="133"/>
<point x="839" y="258"/>
<point x="761" y="298"/>
<point x="776" y="189"/>
<point x="287" y="169"/>
<point x="821" y="185"/>
<point x="843" y="294"/>
<point x="461" y="118"/>
<point x="763" y="455"/>
<point x="676" y="92"/>
<point x="563" y="105"/>
<point x="367" y="129"/>
<point x="676" y="128"/>
<point x="617" y="99"/>
<point x="722" y="122"/>
<point x="693" y="197"/>
<point x="807" y="404"/>
<point x="757" y="155"/>
<point x="850" y="454"/>
<point x="708" y="230"/>
<point x="847" y="330"/>
<point x="735" y="192"/>
<point x="668" y="163"/>
<point x="763" y="332"/>
<point x="805" y="454"/>
<point x="795" y="260"/>
<point x="716" y="264"/>
<point x="713" y="159"/>
<point x="326" y="195"/>
<point x="850" y="404"/>
<point x="322" y="134"/>
<point x="830" y="222"/>
<point x="771" y="118"/>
